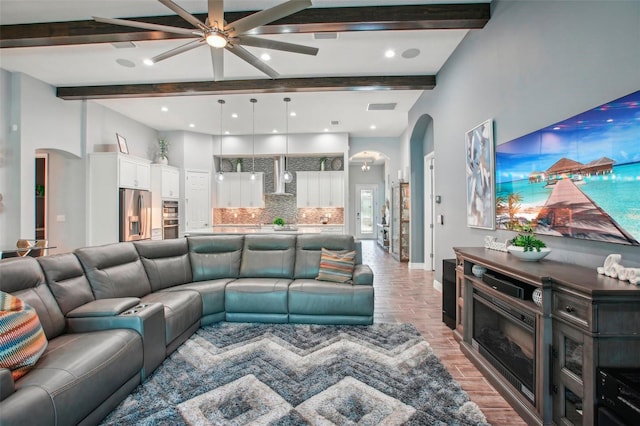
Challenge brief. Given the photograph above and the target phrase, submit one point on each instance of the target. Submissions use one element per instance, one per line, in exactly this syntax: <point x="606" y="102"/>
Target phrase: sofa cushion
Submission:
<point x="182" y="309"/>
<point x="22" y="339"/>
<point x="23" y="277"/>
<point x="114" y="270"/>
<point x="336" y="266"/>
<point x="268" y="256"/>
<point x="79" y="371"/>
<point x="211" y="292"/>
<point x="166" y="262"/>
<point x="309" y="249"/>
<point x="311" y="297"/>
<point x="215" y="256"/>
<point x="257" y="295"/>
<point x="66" y="279"/>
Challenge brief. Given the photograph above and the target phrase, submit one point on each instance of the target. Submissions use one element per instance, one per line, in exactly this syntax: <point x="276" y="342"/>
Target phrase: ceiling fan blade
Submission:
<point x="217" y="60"/>
<point x="184" y="14"/>
<point x="266" y="16"/>
<point x="245" y="55"/>
<point x="277" y="45"/>
<point x="147" y="26"/>
<point x="216" y="14"/>
<point x="176" y="51"/>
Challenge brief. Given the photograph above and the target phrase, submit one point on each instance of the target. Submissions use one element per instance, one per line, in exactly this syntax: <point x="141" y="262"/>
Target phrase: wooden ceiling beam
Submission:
<point x="199" y="88"/>
<point x="339" y="19"/>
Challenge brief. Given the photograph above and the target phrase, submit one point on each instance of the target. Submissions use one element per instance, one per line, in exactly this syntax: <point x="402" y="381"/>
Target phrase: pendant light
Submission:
<point x="286" y="175"/>
<point x="220" y="174"/>
<point x="365" y="167"/>
<point x="253" y="138"/>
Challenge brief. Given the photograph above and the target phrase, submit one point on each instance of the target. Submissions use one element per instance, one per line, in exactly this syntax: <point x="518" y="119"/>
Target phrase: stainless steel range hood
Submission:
<point x="278" y="176"/>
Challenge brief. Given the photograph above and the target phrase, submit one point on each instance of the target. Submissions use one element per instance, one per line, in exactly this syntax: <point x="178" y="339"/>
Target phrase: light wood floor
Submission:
<point x="407" y="295"/>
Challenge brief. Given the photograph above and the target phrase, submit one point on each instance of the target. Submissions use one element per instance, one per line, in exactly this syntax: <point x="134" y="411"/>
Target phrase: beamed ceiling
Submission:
<point x="409" y="26"/>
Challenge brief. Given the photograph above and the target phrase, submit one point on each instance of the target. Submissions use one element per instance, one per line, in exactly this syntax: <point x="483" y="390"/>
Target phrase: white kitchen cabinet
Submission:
<point x="108" y="172"/>
<point x="134" y="173"/>
<point x="165" y="185"/>
<point x="165" y="181"/>
<point x="320" y="189"/>
<point x="251" y="191"/>
<point x="238" y="190"/>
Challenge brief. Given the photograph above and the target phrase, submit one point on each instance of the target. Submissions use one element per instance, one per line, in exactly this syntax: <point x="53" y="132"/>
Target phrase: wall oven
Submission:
<point x="170" y="219"/>
<point x="506" y="337"/>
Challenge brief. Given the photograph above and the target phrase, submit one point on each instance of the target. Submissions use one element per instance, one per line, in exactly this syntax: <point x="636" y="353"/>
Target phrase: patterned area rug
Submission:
<point x="286" y="374"/>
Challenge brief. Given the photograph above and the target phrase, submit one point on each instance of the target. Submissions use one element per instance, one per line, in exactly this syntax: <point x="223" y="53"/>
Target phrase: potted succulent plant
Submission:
<point x="278" y="223"/>
<point x="525" y="246"/>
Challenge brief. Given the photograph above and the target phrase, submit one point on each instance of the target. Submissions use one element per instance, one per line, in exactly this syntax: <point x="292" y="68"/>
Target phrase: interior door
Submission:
<point x="197" y="200"/>
<point x="366" y="208"/>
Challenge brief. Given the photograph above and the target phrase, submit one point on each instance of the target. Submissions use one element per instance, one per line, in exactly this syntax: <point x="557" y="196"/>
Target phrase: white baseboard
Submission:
<point x="437" y="285"/>
<point x="413" y="265"/>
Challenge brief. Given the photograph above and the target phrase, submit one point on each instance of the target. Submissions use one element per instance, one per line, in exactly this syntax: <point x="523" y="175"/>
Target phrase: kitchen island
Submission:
<point x="269" y="229"/>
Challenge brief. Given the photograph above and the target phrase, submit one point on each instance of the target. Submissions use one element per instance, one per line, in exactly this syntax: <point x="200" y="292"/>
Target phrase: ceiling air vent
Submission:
<point x="123" y="45"/>
<point x="335" y="123"/>
<point x="382" y="107"/>
<point x="325" y="36"/>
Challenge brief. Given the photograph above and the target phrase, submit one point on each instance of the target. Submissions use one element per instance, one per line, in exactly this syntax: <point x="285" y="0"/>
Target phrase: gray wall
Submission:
<point x="535" y="63"/>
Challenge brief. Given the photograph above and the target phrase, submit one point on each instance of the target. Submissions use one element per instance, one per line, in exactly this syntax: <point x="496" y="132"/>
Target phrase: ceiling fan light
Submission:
<point x="215" y="39"/>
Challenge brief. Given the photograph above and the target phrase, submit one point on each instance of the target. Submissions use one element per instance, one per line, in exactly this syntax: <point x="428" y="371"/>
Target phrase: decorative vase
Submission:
<point x="238" y="167"/>
<point x="537" y="296"/>
<point x="162" y="160"/>
<point x="322" y="166"/>
<point x="528" y="256"/>
<point x="478" y="270"/>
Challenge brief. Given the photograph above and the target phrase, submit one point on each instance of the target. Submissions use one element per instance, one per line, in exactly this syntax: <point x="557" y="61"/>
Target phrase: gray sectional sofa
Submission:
<point x="112" y="313"/>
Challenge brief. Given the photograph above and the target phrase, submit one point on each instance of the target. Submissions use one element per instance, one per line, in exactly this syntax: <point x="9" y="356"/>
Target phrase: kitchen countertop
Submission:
<point x="268" y="229"/>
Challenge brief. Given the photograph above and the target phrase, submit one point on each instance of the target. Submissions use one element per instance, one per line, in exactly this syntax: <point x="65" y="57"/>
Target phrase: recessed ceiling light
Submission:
<point x="373" y="127"/>
<point x="293" y="114"/>
<point x="390" y="53"/>
<point x="226" y="132"/>
<point x="556" y="128"/>
<point x="326" y="130"/>
<point x="164" y="109"/>
<point x="274" y="131"/>
<point x="265" y="57"/>
<point x="148" y="62"/>
<point x="234" y="115"/>
<point x="192" y="125"/>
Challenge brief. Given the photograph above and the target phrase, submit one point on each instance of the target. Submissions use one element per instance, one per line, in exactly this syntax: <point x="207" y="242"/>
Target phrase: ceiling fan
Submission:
<point x="218" y="35"/>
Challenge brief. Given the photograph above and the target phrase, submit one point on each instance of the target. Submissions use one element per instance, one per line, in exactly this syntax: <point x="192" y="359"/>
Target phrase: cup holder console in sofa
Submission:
<point x="112" y="313"/>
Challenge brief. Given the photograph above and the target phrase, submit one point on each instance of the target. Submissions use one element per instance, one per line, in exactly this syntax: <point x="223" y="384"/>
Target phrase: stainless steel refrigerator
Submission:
<point x="135" y="215"/>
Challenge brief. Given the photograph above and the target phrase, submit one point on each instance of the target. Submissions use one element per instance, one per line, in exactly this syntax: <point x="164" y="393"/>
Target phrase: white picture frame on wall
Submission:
<point x="480" y="173"/>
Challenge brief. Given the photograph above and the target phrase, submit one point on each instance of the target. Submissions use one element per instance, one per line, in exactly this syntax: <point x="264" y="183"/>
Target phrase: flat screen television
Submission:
<point x="578" y="178"/>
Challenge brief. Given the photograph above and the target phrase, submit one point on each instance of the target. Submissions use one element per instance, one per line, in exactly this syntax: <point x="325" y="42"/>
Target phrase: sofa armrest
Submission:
<point x="7" y="386"/>
<point x="104" y="307"/>
<point x="146" y="318"/>
<point x="362" y="275"/>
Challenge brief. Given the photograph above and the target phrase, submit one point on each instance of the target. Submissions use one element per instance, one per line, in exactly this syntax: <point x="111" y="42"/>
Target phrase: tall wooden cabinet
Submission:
<point x="400" y="223"/>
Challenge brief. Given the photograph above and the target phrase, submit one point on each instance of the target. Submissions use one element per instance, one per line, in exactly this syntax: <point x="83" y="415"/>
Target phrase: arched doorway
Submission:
<point x="420" y="145"/>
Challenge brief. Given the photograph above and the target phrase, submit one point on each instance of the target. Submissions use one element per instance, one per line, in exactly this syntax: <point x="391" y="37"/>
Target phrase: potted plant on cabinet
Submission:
<point x="323" y="163"/>
<point x="163" y="145"/>
<point x="525" y="246"/>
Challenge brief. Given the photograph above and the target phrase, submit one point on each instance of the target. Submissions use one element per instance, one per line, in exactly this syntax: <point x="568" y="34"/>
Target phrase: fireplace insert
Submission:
<point x="505" y="336"/>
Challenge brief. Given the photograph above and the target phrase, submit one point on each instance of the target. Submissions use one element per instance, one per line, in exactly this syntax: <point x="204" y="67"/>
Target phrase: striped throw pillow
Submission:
<point x="22" y="340"/>
<point x="336" y="266"/>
